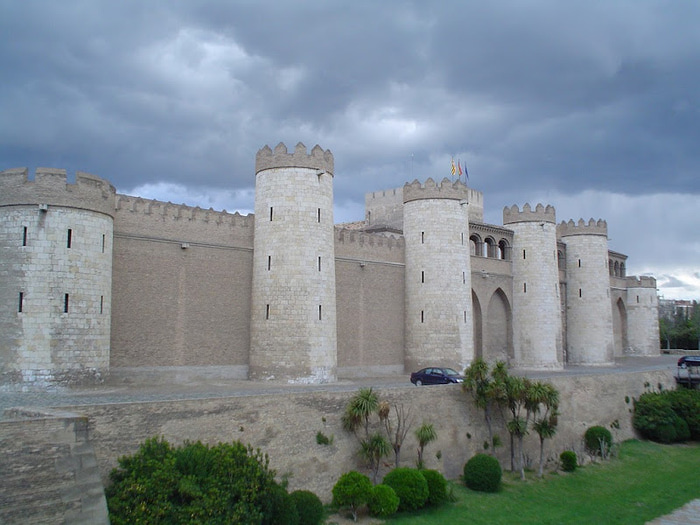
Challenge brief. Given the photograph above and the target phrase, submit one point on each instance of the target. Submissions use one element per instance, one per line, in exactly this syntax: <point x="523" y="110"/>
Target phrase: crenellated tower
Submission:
<point x="537" y="327"/>
<point x="589" y="325"/>
<point x="642" y="316"/>
<point x="293" y="317"/>
<point x="55" y="277"/>
<point x="439" y="324"/>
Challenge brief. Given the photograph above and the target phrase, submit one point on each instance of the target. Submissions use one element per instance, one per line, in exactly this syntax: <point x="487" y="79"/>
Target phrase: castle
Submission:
<point x="94" y="283"/>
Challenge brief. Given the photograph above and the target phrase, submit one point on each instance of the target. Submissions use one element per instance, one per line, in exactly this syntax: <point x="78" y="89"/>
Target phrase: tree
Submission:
<point x="546" y="426"/>
<point x="396" y="434"/>
<point x="521" y="403"/>
<point x="373" y="449"/>
<point x="359" y="410"/>
<point x="486" y="390"/>
<point x="425" y="434"/>
<point x="352" y="490"/>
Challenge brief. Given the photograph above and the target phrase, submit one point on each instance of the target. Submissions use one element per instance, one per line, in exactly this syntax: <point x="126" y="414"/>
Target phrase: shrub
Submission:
<point x="569" y="462"/>
<point x="410" y="486"/>
<point x="225" y="483"/>
<point x="483" y="473"/>
<point x="383" y="501"/>
<point x="598" y="441"/>
<point x="668" y="416"/>
<point x="686" y="403"/>
<point x="437" y="487"/>
<point x="352" y="490"/>
<point x="309" y="507"/>
<point x="280" y="508"/>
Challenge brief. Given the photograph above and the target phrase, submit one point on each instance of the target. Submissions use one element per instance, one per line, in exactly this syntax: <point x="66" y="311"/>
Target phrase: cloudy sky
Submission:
<point x="591" y="106"/>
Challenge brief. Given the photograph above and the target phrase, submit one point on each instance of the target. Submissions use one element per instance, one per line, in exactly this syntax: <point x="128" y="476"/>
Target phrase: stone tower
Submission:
<point x="537" y="326"/>
<point x="55" y="277"/>
<point x="293" y="317"/>
<point x="589" y="325"/>
<point x="439" y="325"/>
<point x="642" y="316"/>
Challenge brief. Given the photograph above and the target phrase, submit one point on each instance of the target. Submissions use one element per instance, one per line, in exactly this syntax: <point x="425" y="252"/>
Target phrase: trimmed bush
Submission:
<point x="598" y="441"/>
<point x="437" y="487"/>
<point x="569" y="462"/>
<point x="410" y="486"/>
<point x="383" y="501"/>
<point x="483" y="473"/>
<point x="280" y="508"/>
<point x="352" y="490"/>
<point x="309" y="507"/>
<point x="686" y="403"/>
<point x="669" y="416"/>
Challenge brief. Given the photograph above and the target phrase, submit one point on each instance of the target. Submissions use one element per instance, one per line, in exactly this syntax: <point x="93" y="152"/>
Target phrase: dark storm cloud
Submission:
<point x="541" y="99"/>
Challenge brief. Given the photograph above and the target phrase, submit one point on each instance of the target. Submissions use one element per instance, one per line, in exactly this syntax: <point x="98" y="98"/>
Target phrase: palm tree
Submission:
<point x="424" y="434"/>
<point x="373" y="450"/>
<point x="358" y="411"/>
<point x="546" y="426"/>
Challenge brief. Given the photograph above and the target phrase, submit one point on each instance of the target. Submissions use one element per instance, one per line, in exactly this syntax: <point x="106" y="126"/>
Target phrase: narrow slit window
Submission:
<point x="462" y="238"/>
<point x="524" y="255"/>
<point x="637" y="299"/>
<point x="422" y="277"/>
<point x="20" y="307"/>
<point x="66" y="301"/>
<point x="69" y="240"/>
<point x="270" y="213"/>
<point x="319" y="214"/>
<point x="267" y="311"/>
<point x="102" y="303"/>
<point x="24" y="237"/>
<point x="422" y="316"/>
<point x="319" y="263"/>
<point x="320" y="317"/>
<point x="422" y="237"/>
<point x="524" y="287"/>
<point x="465" y="316"/>
<point x="269" y="262"/>
<point x="579" y="263"/>
<point x="580" y="292"/>
<point x="464" y="277"/>
<point x="103" y="243"/>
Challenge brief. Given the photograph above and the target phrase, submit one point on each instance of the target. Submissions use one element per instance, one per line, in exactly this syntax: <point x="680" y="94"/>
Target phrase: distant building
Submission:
<point x="93" y="282"/>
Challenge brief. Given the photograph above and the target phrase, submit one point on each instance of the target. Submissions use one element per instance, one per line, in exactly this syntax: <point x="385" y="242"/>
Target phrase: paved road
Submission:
<point x="137" y="392"/>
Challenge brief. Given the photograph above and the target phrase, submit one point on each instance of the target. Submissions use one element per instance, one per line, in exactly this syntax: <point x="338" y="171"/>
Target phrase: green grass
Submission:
<point x="645" y="481"/>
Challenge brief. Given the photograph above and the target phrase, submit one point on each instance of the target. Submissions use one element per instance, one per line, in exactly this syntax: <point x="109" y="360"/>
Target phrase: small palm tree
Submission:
<point x="359" y="409"/>
<point x="424" y="434"/>
<point x="546" y="426"/>
<point x="373" y="450"/>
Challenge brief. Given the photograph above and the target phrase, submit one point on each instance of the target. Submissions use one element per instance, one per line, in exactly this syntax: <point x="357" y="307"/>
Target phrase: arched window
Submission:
<point x="622" y="270"/>
<point x="489" y="247"/>
<point x="504" y="250"/>
<point x="610" y="267"/>
<point x="475" y="245"/>
<point x="617" y="269"/>
<point x="561" y="263"/>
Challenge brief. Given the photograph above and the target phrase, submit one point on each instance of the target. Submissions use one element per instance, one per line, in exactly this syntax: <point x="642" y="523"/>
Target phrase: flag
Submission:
<point x="454" y="170"/>
<point x="466" y="173"/>
<point x="459" y="167"/>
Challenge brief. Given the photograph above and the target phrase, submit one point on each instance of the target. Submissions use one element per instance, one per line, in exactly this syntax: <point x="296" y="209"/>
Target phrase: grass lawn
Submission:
<point x="646" y="480"/>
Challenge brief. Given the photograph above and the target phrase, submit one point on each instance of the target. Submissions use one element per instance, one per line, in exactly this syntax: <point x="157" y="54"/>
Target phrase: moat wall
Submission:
<point x="285" y="426"/>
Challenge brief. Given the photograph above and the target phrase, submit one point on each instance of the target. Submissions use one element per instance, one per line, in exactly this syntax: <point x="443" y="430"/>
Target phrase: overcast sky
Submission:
<point x="591" y="106"/>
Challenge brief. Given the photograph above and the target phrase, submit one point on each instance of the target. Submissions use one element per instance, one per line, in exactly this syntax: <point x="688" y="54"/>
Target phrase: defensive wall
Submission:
<point x="44" y="453"/>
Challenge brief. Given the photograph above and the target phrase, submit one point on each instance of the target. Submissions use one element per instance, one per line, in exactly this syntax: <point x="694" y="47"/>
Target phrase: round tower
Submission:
<point x="537" y="327"/>
<point x="589" y="325"/>
<point x="439" y="325"/>
<point x="55" y="277"/>
<point x="293" y="318"/>
<point x="642" y="317"/>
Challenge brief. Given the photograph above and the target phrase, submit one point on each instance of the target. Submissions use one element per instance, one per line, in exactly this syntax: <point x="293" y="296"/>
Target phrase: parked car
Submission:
<point x="436" y="376"/>
<point x="689" y="360"/>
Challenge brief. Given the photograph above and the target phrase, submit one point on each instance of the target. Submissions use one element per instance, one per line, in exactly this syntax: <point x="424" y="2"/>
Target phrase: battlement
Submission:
<point x="368" y="246"/>
<point x="643" y="281"/>
<point x="592" y="227"/>
<point x="50" y="187"/>
<point x="539" y="214"/>
<point x="318" y="159"/>
<point x="432" y="190"/>
<point x="138" y="216"/>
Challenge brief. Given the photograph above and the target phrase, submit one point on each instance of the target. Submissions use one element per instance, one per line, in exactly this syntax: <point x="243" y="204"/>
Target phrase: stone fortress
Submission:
<point x="96" y="284"/>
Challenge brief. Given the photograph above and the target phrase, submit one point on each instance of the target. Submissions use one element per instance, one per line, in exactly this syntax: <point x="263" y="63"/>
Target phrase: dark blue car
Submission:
<point x="436" y="376"/>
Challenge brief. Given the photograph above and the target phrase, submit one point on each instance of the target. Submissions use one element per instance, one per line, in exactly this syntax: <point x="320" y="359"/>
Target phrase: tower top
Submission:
<point x="592" y="227"/>
<point x="539" y="214"/>
<point x="432" y="190"/>
<point x="318" y="159"/>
